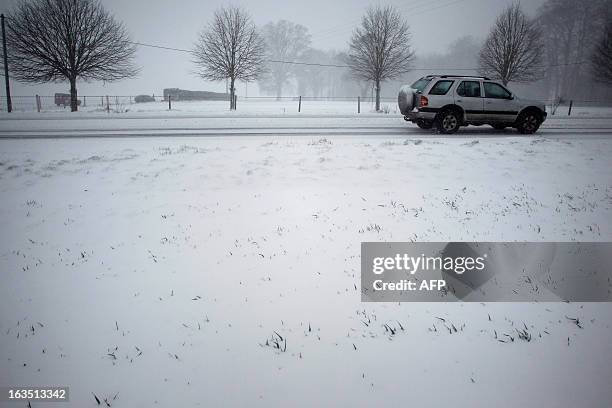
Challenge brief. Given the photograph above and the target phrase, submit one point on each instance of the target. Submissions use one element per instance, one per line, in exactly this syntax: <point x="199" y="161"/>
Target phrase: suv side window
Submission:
<point x="470" y="89"/>
<point x="441" y="87"/>
<point x="493" y="90"/>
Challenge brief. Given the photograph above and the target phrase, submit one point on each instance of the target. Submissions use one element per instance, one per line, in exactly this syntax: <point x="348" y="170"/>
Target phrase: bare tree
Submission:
<point x="513" y="50"/>
<point x="59" y="40"/>
<point x="380" y="48"/>
<point x="601" y="59"/>
<point x="230" y="48"/>
<point x="285" y="41"/>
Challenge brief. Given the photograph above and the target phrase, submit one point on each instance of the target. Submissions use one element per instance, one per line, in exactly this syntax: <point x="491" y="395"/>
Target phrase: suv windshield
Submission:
<point x="421" y="84"/>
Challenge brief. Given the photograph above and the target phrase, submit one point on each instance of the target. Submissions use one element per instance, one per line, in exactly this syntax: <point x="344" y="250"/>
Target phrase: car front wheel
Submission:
<point x="528" y="122"/>
<point x="448" y="121"/>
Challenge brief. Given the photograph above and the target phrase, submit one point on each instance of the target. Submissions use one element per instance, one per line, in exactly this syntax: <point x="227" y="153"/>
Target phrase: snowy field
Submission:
<point x="257" y="106"/>
<point x="162" y="271"/>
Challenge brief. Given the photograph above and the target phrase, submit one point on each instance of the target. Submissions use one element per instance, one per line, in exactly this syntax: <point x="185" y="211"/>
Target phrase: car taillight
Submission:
<point x="423" y="101"/>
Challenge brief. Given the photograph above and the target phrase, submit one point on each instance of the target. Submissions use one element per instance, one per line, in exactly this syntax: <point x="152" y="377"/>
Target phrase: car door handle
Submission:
<point x="459" y="100"/>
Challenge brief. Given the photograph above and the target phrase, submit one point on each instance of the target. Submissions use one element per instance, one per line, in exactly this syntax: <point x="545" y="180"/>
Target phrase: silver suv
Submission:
<point x="450" y="101"/>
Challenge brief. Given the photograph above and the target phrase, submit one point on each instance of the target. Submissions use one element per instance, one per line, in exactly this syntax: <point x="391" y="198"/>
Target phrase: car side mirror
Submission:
<point x="511" y="97"/>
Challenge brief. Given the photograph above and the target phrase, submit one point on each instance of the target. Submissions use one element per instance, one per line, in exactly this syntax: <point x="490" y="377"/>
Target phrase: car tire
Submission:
<point x="406" y="99"/>
<point x="424" y="124"/>
<point x="528" y="122"/>
<point x="448" y="121"/>
<point x="499" y="126"/>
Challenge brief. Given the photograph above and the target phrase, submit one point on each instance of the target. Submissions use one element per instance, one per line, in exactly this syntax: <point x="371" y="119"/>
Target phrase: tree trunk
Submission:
<point x="74" y="104"/>
<point x="232" y="91"/>
<point x="377" y="95"/>
<point x="279" y="91"/>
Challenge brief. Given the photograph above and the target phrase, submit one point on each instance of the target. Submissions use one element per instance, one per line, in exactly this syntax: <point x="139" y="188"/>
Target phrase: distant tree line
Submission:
<point x="565" y="46"/>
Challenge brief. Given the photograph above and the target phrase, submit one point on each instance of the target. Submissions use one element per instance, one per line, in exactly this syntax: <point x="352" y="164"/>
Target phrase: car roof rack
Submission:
<point x="463" y="76"/>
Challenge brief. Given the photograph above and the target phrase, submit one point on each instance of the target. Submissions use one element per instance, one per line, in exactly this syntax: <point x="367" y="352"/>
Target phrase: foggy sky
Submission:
<point x="434" y="25"/>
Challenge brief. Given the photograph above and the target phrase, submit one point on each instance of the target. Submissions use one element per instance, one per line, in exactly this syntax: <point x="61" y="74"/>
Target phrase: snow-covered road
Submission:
<point x="388" y="125"/>
<point x="162" y="270"/>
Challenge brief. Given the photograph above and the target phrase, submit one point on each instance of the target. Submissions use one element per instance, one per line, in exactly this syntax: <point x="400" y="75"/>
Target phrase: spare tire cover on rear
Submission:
<point x="405" y="99"/>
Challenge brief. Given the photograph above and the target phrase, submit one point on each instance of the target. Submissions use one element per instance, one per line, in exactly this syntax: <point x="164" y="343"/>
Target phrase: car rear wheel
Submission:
<point x="448" y="121"/>
<point x="424" y="124"/>
<point x="528" y="122"/>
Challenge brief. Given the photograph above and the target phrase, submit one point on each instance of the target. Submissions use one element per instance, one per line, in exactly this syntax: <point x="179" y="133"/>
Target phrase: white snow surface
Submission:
<point x="155" y="270"/>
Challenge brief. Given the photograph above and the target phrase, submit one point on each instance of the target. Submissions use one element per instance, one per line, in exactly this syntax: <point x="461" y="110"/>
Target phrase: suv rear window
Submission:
<point x="441" y="87"/>
<point x="421" y="84"/>
<point x="470" y="89"/>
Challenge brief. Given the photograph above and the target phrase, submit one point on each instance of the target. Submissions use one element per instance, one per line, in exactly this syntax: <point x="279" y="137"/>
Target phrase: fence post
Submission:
<point x="84" y="101"/>
<point x="169" y="101"/>
<point x="107" y="104"/>
<point x="569" y="111"/>
<point x="359" y="104"/>
<point x="9" y="102"/>
<point x="300" y="104"/>
<point x="101" y="101"/>
<point x="37" y="103"/>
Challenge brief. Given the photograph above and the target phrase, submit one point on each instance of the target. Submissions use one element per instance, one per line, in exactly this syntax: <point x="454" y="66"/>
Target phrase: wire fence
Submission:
<point x="263" y="104"/>
<point x="127" y="103"/>
<point x="46" y="103"/>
